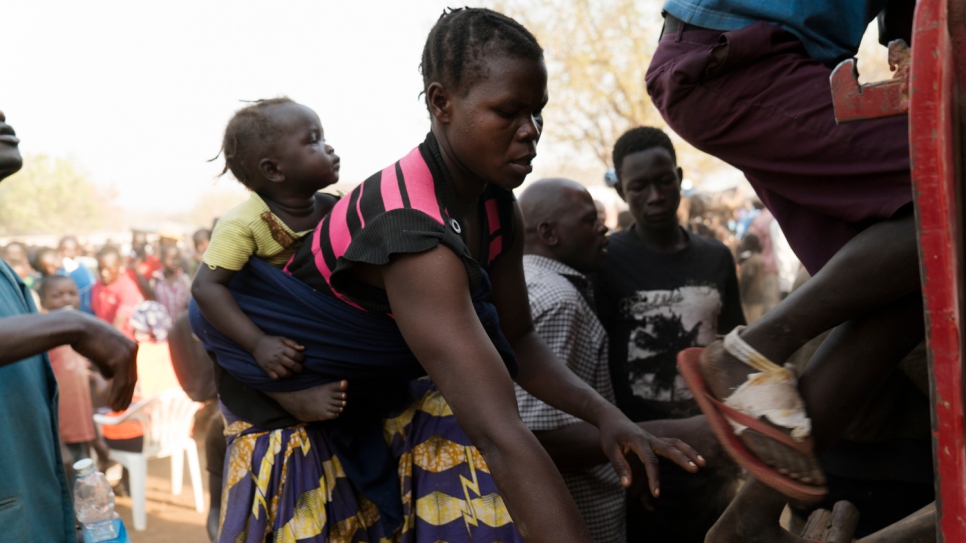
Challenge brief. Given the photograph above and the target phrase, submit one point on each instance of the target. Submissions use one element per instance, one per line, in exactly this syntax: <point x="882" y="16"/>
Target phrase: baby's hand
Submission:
<point x="278" y="356"/>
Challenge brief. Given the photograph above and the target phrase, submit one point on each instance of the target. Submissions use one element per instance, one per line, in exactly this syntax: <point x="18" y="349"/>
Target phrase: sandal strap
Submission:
<point x="762" y="428"/>
<point x="739" y="349"/>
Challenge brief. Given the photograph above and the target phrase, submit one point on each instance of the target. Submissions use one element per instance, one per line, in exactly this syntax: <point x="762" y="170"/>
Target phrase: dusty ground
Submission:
<point x="171" y="519"/>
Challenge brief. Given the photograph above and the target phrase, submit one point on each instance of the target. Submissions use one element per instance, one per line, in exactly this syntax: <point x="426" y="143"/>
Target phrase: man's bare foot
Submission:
<point x="322" y="402"/>
<point x="724" y="373"/>
<point x="752" y="517"/>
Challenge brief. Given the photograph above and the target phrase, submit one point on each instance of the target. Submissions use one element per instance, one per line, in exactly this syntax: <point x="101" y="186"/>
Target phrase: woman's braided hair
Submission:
<point x="459" y="43"/>
<point x="249" y="130"/>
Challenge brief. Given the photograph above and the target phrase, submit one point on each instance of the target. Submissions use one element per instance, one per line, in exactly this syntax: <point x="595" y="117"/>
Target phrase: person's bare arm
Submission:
<point x="430" y="299"/>
<point x="543" y="376"/>
<point x="578" y="445"/>
<point x="114" y="355"/>
<point x="278" y="356"/>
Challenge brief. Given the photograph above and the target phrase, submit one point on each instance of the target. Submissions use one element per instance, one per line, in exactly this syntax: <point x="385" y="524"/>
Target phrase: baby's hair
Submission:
<point x="48" y="283"/>
<point x="640" y="139"/>
<point x="460" y="40"/>
<point x="248" y="131"/>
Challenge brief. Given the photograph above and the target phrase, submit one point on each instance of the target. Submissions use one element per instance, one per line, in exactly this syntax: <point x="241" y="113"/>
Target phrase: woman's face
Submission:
<point x="493" y="126"/>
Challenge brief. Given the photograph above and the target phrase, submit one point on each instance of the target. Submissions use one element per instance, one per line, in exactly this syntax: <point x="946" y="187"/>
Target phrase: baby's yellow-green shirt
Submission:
<point x="251" y="229"/>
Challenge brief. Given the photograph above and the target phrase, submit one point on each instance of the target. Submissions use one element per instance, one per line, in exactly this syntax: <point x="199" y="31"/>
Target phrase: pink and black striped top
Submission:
<point x="408" y="207"/>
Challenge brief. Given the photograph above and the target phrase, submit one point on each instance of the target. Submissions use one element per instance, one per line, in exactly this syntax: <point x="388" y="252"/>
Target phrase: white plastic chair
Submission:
<point x="167" y="418"/>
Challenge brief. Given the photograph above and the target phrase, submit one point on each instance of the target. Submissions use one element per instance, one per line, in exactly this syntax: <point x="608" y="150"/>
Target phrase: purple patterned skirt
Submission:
<point x="286" y="485"/>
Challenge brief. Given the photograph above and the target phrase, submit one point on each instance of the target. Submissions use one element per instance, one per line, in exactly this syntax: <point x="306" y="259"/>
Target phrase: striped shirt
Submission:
<point x="408" y="207"/>
<point x="560" y="301"/>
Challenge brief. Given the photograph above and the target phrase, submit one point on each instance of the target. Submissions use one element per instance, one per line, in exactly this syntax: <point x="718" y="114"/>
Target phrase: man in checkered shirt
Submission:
<point x="564" y="241"/>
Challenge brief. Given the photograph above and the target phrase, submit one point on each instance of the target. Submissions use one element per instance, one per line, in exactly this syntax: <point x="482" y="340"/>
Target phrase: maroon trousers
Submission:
<point x="753" y="98"/>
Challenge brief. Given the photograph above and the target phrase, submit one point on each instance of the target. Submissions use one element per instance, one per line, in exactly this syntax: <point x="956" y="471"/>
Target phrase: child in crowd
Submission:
<point x="277" y="149"/>
<point x="75" y="411"/>
<point x="15" y="253"/>
<point x="116" y="295"/>
<point x="200" y="239"/>
<point x="171" y="285"/>
<point x="72" y="264"/>
<point x="47" y="262"/>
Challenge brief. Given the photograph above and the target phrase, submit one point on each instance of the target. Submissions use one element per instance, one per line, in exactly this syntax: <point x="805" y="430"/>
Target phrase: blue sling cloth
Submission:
<point x="341" y="342"/>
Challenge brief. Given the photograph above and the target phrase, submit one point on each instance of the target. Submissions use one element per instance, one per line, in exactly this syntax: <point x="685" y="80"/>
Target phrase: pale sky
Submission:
<point x="139" y="93"/>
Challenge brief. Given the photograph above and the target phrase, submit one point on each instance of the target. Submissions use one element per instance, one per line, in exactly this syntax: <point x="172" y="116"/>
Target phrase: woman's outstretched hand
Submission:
<point x="620" y="437"/>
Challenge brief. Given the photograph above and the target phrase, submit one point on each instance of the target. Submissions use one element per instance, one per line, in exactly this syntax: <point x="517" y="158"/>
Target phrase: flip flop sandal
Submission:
<point x="773" y="394"/>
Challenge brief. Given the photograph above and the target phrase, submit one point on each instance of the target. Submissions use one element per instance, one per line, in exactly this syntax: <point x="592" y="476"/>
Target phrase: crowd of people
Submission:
<point x="139" y="292"/>
<point x="431" y="358"/>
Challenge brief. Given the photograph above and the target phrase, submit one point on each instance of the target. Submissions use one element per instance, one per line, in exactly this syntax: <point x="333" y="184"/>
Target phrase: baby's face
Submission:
<point x="308" y="161"/>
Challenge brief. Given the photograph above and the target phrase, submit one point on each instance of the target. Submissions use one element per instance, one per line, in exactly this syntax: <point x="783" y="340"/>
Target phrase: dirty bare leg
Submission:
<point x="852" y="363"/>
<point x="876" y="268"/>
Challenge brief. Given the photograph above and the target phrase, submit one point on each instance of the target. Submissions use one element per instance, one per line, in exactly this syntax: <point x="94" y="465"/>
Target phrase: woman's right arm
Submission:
<point x="430" y="299"/>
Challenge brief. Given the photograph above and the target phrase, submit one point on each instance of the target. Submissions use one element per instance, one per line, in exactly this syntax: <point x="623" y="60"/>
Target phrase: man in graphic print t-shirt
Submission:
<point x="655" y="318"/>
<point x="662" y="290"/>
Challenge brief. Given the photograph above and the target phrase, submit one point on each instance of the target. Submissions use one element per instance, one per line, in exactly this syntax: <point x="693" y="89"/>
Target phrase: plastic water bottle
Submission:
<point x="94" y="505"/>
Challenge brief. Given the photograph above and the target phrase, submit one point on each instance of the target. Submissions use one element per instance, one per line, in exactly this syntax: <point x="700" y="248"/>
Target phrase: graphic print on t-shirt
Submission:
<point x="669" y="321"/>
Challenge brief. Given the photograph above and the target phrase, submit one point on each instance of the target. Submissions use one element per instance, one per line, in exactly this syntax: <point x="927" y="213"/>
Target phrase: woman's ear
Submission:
<point x="438" y="100"/>
<point x="270" y="170"/>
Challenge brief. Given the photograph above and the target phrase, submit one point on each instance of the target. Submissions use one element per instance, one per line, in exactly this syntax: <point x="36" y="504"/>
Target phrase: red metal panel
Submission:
<point x="854" y="102"/>
<point x="935" y="179"/>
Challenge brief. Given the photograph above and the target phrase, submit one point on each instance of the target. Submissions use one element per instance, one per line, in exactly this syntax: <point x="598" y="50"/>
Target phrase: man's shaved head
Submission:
<point x="546" y="199"/>
<point x="561" y="223"/>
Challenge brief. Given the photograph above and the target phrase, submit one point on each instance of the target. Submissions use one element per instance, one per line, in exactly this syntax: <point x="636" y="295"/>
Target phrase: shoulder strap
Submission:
<point x="500" y="221"/>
